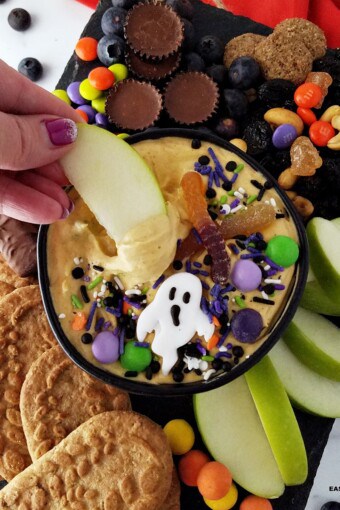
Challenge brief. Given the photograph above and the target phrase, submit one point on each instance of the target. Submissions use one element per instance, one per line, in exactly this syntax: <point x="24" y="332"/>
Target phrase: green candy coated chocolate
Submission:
<point x="283" y="250"/>
<point x="135" y="358"/>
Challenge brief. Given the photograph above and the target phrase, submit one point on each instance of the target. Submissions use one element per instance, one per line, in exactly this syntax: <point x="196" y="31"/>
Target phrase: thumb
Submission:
<point x="31" y="141"/>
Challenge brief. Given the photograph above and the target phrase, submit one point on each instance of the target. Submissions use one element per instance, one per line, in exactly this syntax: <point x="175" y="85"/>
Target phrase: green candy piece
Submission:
<point x="283" y="250"/>
<point x="135" y="358"/>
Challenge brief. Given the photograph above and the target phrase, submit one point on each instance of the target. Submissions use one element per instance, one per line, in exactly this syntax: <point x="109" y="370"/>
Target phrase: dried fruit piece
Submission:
<point x="193" y="190"/>
<point x="323" y="80"/>
<point x="248" y="221"/>
<point x="304" y="157"/>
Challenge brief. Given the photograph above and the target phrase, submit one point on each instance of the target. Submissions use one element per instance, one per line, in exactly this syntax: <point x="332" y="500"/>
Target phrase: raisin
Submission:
<point x="258" y="136"/>
<point x="274" y="93"/>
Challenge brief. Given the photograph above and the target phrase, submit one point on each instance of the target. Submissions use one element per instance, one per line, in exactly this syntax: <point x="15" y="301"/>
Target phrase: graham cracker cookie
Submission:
<point x="57" y="397"/>
<point x="172" y="500"/>
<point x="311" y="35"/>
<point x="117" y="460"/>
<point x="10" y="281"/>
<point x="24" y="335"/>
<point x="241" y="46"/>
<point x="282" y="55"/>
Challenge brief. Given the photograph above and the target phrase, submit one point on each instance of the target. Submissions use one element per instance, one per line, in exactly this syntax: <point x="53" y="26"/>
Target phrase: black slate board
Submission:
<point x="315" y="430"/>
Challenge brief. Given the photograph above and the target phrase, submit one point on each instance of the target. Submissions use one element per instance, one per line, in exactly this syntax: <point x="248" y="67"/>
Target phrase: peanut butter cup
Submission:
<point x="151" y="70"/>
<point x="133" y="105"/>
<point x="153" y="31"/>
<point x="191" y="98"/>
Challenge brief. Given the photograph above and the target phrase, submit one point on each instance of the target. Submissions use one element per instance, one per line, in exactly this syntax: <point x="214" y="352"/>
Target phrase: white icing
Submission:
<point x="160" y="316"/>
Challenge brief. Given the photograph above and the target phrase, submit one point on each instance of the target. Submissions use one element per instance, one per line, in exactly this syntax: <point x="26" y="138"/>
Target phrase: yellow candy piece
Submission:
<point x="123" y="135"/>
<point x="62" y="95"/>
<point x="120" y="71"/>
<point x="87" y="91"/>
<point x="180" y="435"/>
<point x="99" y="104"/>
<point x="225" y="503"/>
<point x="239" y="143"/>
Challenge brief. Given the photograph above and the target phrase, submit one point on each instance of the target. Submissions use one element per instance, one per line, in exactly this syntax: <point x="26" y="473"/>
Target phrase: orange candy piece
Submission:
<point x="255" y="503"/>
<point x="214" y="480"/>
<point x="86" y="49"/>
<point x="306" y="115"/>
<point x="190" y="465"/>
<point x="101" y="78"/>
<point x="308" y="95"/>
<point x="79" y="321"/>
<point x="212" y="342"/>
<point x="320" y="132"/>
<point x="248" y="221"/>
<point x="82" y="114"/>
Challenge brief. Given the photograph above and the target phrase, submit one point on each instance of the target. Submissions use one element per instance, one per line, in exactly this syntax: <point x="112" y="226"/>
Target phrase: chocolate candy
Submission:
<point x="135" y="358"/>
<point x="105" y="347"/>
<point x="246" y="325"/>
<point x="74" y="94"/>
<point x="284" y="136"/>
<point x="283" y="250"/>
<point x="308" y="95"/>
<point x="320" y="132"/>
<point x="18" y="245"/>
<point x="246" y="275"/>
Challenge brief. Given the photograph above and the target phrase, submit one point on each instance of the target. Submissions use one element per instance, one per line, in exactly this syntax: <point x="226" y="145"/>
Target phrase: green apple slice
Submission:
<point x="324" y="241"/>
<point x="307" y="390"/>
<point x="315" y="341"/>
<point x="314" y="298"/>
<point x="232" y="432"/>
<point x="113" y="180"/>
<point x="336" y="222"/>
<point x="279" y="422"/>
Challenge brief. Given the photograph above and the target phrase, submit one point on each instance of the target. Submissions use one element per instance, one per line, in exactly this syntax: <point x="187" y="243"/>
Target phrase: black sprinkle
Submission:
<point x="212" y="214"/>
<point x="77" y="273"/>
<point x="129" y="333"/>
<point x="210" y="193"/>
<point x="261" y="245"/>
<point x="279" y="216"/>
<point x="148" y="373"/>
<point x="269" y="289"/>
<point x="263" y="301"/>
<point x="204" y="160"/>
<point x="207" y="260"/>
<point x="260" y="195"/>
<point x="258" y="258"/>
<point x="110" y="287"/>
<point x="84" y="294"/>
<point x="186" y="370"/>
<point x="236" y="361"/>
<point x="87" y="338"/>
<point x="178" y="376"/>
<point x="268" y="185"/>
<point x="240" y="237"/>
<point x="198" y="371"/>
<point x="223" y="329"/>
<point x="109" y="301"/>
<point x="195" y="143"/>
<point x="177" y="265"/>
<point x="257" y="184"/>
<point x="131" y="373"/>
<point x="217" y="364"/>
<point x="237" y="351"/>
<point x="226" y="366"/>
<point x="227" y="186"/>
<point x="100" y="269"/>
<point x="240" y="244"/>
<point x="155" y="366"/>
<point x="231" y="166"/>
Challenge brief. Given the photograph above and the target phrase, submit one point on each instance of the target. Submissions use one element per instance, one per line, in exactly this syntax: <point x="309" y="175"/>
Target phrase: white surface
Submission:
<point x="56" y="27"/>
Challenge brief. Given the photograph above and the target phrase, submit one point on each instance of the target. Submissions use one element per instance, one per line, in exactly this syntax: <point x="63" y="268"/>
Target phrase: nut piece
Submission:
<point x="278" y="116"/>
<point x="239" y="143"/>
<point x="328" y="114"/>
<point x="334" y="143"/>
<point x="287" y="179"/>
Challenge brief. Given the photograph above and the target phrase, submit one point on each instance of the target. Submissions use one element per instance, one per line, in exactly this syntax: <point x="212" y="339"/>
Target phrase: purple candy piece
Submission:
<point x="101" y="120"/>
<point x="246" y="275"/>
<point x="105" y="347"/>
<point x="74" y="94"/>
<point x="284" y="136"/>
<point x="90" y="112"/>
<point x="246" y="325"/>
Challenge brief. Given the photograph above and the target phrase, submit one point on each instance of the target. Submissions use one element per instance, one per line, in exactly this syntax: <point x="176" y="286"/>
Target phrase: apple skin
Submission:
<point x="232" y="432"/>
<point x="314" y="298"/>
<point x="279" y="421"/>
<point x="306" y="389"/>
<point x="113" y="180"/>
<point x="315" y="342"/>
<point x="324" y="241"/>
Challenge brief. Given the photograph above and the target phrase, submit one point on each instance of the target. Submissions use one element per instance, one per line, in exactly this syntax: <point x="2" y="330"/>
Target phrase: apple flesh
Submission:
<point x="113" y="180"/>
<point x="232" y="432"/>
<point x="279" y="422"/>
<point x="307" y="390"/>
<point x="315" y="341"/>
<point x="314" y="298"/>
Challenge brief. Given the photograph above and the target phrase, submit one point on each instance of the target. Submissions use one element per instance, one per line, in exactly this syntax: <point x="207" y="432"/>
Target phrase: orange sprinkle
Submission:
<point x="126" y="307"/>
<point x="213" y="341"/>
<point x="83" y="115"/>
<point x="86" y="49"/>
<point x="101" y="78"/>
<point x="79" y="321"/>
<point x="216" y="321"/>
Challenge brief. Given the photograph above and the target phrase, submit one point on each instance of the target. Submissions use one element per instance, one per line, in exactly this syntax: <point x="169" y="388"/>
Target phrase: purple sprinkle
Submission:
<point x="116" y="331"/>
<point x="113" y="311"/>
<point x="132" y="303"/>
<point x="194" y="271"/>
<point x="142" y="344"/>
<point x="99" y="324"/>
<point x="229" y="346"/>
<point x="215" y="159"/>
<point x="210" y="180"/>
<point x="234" y="203"/>
<point x="197" y="264"/>
<point x="203" y="272"/>
<point x="273" y="265"/>
<point x="228" y="288"/>
<point x="179" y="242"/>
<point x="252" y="237"/>
<point x="252" y="250"/>
<point x="216" y="289"/>
<point x="223" y="355"/>
<point x="158" y="281"/>
<point x="218" y="307"/>
<point x="188" y="266"/>
<point x="107" y="325"/>
<point x="271" y="272"/>
<point x="201" y="348"/>
<point x="197" y="236"/>
<point x="205" y="305"/>
<point x="86" y="278"/>
<point x="251" y="255"/>
<point x="279" y="286"/>
<point x="223" y="338"/>
<point x="216" y="179"/>
<point x="91" y="315"/>
<point x="205" y="285"/>
<point x="234" y="248"/>
<point x="121" y="341"/>
<point x="233" y="179"/>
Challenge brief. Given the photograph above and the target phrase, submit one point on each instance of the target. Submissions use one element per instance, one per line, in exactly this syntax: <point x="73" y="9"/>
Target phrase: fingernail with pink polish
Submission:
<point x="66" y="212"/>
<point x="61" y="131"/>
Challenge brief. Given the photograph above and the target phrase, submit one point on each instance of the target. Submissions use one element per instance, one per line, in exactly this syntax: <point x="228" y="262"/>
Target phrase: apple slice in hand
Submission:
<point x="307" y="390"/>
<point x="324" y="241"/>
<point x="315" y="341"/>
<point x="279" y="422"/>
<point x="113" y="180"/>
<point x="232" y="432"/>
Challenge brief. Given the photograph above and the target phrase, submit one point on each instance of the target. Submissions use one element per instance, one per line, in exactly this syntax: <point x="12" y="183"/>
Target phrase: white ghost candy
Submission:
<point x="175" y="315"/>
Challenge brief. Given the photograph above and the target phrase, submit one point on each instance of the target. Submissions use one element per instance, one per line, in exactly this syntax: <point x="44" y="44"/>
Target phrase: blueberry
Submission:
<point x="111" y="50"/>
<point x="113" y="20"/>
<point x="123" y="4"/>
<point x="193" y="62"/>
<point x="258" y="136"/>
<point x="211" y="49"/>
<point x="236" y="103"/>
<point x="218" y="73"/>
<point x="184" y="8"/>
<point x="189" y="35"/>
<point x="244" y="73"/>
<point x="19" y="19"/>
<point x="31" y="68"/>
<point x="331" y="505"/>
<point x="274" y="93"/>
<point x="227" y="128"/>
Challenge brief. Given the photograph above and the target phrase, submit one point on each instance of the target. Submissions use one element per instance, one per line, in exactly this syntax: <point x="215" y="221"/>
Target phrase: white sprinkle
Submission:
<point x="99" y="304"/>
<point x="98" y="300"/>
<point x="193" y="363"/>
<point x="233" y="300"/>
<point x="223" y="348"/>
<point x="143" y="302"/>
<point x="273" y="202"/>
<point x="238" y="195"/>
<point x="264" y="295"/>
<point x="81" y="260"/>
<point x="242" y="190"/>
<point x="267" y="267"/>
<point x="236" y="208"/>
<point x="118" y="282"/>
<point x="95" y="294"/>
<point x="61" y="316"/>
<point x="104" y="281"/>
<point x="131" y="292"/>
<point x="103" y="288"/>
<point x="270" y="280"/>
<point x="203" y="365"/>
<point x="208" y="374"/>
<point x="267" y="202"/>
<point x="101" y="294"/>
<point x="76" y="260"/>
<point x="226" y="208"/>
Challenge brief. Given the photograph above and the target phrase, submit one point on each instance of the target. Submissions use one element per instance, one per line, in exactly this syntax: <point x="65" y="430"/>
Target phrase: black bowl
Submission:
<point x="174" y="389"/>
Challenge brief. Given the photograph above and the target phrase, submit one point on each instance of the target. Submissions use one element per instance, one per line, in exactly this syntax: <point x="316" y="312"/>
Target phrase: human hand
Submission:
<point x="36" y="129"/>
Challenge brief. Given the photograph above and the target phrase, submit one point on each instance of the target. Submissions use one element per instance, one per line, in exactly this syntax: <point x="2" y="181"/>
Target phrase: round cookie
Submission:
<point x="282" y="55"/>
<point x="241" y="46"/>
<point x="311" y="35"/>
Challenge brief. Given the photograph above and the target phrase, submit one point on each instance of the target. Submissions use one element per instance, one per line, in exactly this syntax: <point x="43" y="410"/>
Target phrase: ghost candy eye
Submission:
<point x="186" y="297"/>
<point x="172" y="293"/>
